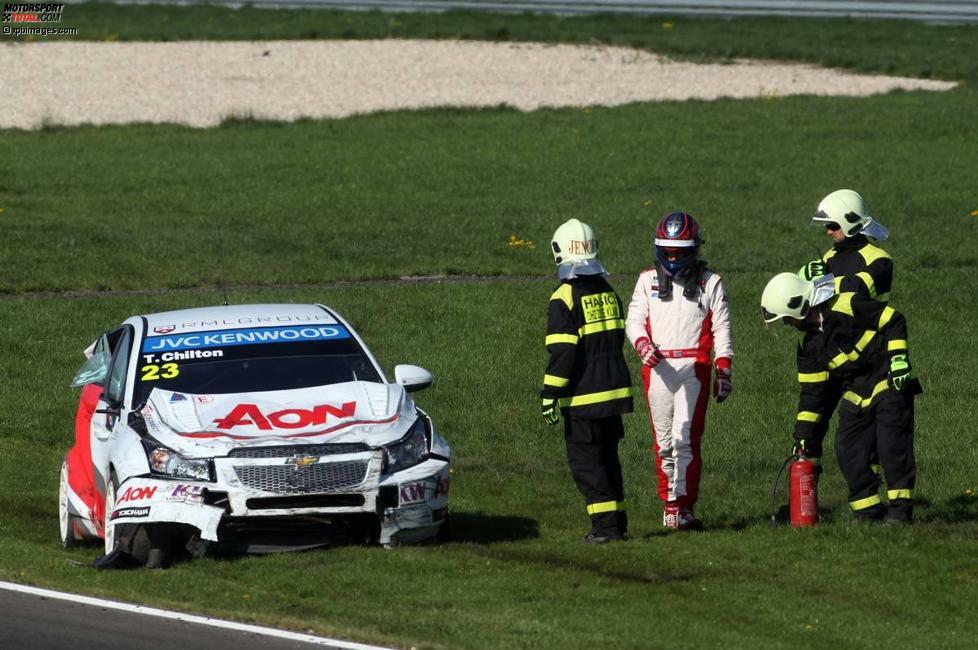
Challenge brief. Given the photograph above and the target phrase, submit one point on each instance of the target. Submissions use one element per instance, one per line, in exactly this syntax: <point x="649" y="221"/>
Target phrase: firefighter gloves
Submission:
<point x="648" y="352"/>
<point x="812" y="270"/>
<point x="550" y="411"/>
<point x="899" y="371"/>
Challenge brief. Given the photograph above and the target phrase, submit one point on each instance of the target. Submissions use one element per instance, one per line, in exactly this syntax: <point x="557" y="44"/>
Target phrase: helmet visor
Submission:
<point x="824" y="289"/>
<point x="875" y="231"/>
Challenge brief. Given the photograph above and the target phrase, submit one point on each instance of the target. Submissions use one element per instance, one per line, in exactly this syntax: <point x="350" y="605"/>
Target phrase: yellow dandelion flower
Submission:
<point x="974" y="213"/>
<point x="666" y="25"/>
<point x="809" y="626"/>
<point x="246" y="596"/>
<point x="969" y="492"/>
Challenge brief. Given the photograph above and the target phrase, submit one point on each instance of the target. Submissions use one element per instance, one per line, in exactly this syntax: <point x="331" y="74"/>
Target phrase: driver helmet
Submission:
<point x="677" y="242"/>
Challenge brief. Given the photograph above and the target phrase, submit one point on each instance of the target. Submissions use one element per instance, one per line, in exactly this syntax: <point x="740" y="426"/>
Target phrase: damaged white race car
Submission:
<point x="257" y="428"/>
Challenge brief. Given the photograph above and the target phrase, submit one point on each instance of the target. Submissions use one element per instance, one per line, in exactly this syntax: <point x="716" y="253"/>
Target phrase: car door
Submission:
<point x="111" y="408"/>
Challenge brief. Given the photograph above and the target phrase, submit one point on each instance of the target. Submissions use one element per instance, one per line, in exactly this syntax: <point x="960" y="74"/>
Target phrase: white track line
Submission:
<point x="189" y="618"/>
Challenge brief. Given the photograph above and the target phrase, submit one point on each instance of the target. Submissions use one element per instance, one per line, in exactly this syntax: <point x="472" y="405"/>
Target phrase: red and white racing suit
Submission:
<point x="678" y="388"/>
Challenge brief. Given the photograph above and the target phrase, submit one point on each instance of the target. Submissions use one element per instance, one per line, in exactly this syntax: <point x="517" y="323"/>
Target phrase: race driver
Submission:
<point x="678" y="315"/>
<point x="862" y="344"/>
<point x="859" y="266"/>
<point x="587" y="379"/>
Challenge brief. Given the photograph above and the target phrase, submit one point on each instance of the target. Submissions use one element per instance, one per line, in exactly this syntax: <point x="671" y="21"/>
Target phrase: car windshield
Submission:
<point x="255" y="360"/>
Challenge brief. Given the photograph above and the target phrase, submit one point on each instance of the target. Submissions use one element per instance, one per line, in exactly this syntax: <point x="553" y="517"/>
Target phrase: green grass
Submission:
<point x="515" y="575"/>
<point x="383" y="196"/>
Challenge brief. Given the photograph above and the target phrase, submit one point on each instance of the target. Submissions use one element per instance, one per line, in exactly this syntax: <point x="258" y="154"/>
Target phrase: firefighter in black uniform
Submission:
<point x="859" y="266"/>
<point x="587" y="379"/>
<point x="861" y="343"/>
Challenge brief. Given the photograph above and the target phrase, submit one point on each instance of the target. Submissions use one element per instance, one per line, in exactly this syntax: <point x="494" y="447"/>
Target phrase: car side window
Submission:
<point x="96" y="367"/>
<point x="115" y="388"/>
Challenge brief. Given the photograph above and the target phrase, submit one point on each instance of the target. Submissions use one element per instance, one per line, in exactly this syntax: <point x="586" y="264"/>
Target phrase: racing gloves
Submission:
<point x="550" y="411"/>
<point x="812" y="270"/>
<point x="899" y="371"/>
<point x="722" y="384"/>
<point x="648" y="352"/>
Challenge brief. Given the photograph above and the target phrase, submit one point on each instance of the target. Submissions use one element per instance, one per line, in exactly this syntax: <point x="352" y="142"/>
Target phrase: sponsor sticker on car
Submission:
<point x="129" y="512"/>
<point x="259" y="335"/>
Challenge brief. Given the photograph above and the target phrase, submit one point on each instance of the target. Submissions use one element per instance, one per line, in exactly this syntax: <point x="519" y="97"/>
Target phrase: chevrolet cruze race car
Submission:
<point x="255" y="427"/>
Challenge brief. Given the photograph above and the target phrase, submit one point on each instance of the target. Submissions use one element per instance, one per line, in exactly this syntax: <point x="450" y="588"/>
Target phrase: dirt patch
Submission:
<point x="201" y="83"/>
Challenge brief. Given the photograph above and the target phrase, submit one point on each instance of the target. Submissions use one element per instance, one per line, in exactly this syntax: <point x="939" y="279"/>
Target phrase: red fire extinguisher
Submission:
<point x="803" y="491"/>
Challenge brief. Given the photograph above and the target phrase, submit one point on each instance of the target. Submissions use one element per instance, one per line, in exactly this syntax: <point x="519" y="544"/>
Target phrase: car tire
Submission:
<point x="66" y="522"/>
<point x="445" y="530"/>
<point x="132" y="539"/>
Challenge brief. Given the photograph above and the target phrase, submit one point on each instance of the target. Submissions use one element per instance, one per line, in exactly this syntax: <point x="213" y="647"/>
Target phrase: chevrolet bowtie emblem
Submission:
<point x="302" y="462"/>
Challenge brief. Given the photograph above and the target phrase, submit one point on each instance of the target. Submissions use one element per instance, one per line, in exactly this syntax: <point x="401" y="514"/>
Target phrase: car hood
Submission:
<point x="197" y="425"/>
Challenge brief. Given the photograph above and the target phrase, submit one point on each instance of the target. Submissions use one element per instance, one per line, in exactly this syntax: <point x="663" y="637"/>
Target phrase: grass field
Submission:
<point x="378" y="197"/>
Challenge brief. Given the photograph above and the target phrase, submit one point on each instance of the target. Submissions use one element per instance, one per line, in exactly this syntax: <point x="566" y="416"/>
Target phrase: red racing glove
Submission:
<point x="722" y="384"/>
<point x="648" y="352"/>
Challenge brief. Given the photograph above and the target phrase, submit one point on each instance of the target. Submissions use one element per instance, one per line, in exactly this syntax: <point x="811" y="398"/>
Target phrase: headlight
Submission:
<point x="408" y="452"/>
<point x="168" y="462"/>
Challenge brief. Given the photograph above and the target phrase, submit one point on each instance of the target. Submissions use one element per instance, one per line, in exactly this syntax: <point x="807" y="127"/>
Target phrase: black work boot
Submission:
<point x="900" y="512"/>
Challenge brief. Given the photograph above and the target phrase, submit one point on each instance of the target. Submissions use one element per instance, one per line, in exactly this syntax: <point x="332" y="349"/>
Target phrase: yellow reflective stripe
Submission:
<point x="808" y="416"/>
<point x="566" y="293"/>
<point x="829" y="254"/>
<point x="561" y="338"/>
<point x="868" y="502"/>
<point x="844" y="303"/>
<point x="868" y="281"/>
<point x="884" y="297"/>
<point x="838" y="284"/>
<point x="896" y="344"/>
<point x="604" y="506"/>
<point x="904" y="493"/>
<point x="885" y="317"/>
<point x="863" y="402"/>
<point x="595" y="398"/>
<point x="602" y="326"/>
<point x="876" y="469"/>
<point x="813" y="377"/>
<point x="838" y="360"/>
<point x="553" y="380"/>
<point x="862" y="343"/>
<point x="872" y="253"/>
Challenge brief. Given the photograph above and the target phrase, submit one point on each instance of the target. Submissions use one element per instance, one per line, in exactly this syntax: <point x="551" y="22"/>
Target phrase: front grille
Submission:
<point x="287" y="479"/>
<point x="306" y="501"/>
<point x="293" y="450"/>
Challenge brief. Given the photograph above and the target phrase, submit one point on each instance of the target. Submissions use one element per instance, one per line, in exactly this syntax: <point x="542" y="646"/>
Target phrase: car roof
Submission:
<point x="229" y="317"/>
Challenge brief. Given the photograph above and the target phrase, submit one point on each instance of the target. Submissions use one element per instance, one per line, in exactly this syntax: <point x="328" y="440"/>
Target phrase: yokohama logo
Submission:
<point x="251" y="415"/>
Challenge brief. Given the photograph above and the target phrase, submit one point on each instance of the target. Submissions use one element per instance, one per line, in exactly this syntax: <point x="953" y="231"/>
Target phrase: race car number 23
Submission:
<point x="152" y="372"/>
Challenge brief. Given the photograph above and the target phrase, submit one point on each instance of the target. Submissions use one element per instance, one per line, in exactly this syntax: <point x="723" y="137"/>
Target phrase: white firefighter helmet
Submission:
<point x="574" y="241"/>
<point x="788" y="295"/>
<point x="846" y="210"/>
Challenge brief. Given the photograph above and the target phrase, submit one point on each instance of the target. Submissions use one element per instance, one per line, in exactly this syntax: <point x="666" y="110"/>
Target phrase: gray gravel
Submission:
<point x="200" y="83"/>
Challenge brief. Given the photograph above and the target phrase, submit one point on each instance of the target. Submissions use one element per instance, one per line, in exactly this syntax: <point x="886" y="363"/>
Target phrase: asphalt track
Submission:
<point x="46" y="620"/>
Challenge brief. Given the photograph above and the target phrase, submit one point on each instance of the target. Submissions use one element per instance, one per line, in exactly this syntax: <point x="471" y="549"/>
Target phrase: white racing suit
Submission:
<point x="686" y="330"/>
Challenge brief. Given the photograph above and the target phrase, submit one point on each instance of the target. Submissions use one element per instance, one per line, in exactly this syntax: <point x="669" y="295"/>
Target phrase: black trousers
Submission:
<point x="592" y="454"/>
<point x="884" y="428"/>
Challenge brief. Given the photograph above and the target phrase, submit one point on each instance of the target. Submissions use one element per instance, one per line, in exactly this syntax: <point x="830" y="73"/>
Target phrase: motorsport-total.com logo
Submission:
<point x="33" y="12"/>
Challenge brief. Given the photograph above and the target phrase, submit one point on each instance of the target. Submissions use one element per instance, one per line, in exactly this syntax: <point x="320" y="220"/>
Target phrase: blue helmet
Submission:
<point x="677" y="242"/>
